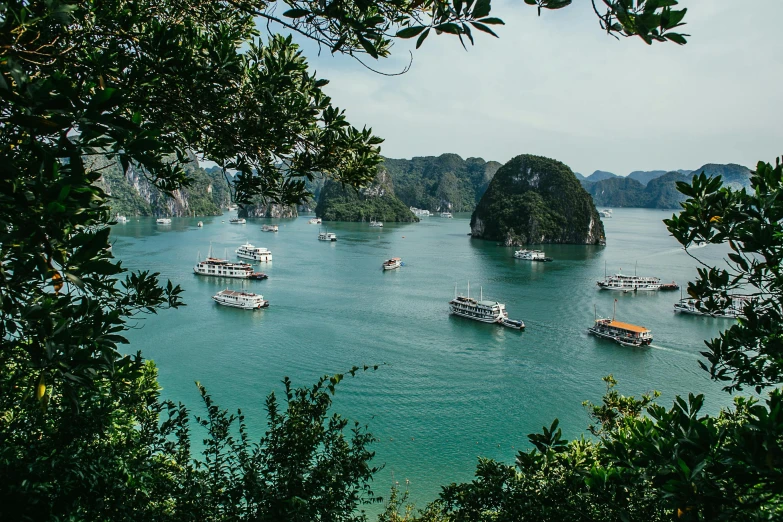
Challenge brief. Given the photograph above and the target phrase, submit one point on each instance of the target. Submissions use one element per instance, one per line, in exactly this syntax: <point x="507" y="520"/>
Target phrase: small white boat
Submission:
<point x="237" y="221"/>
<point x="269" y="228"/>
<point x="327" y="236"/>
<point x="531" y="255"/>
<point x="237" y="299"/>
<point x="163" y="221"/>
<point x="315" y="221"/>
<point x="374" y="223"/>
<point x="391" y="264"/>
<point x="734" y="309"/>
<point x="605" y="213"/>
<point x="446" y="215"/>
<point x="121" y="219"/>
<point x="255" y="253"/>
<point x="420" y="212"/>
<point x="200" y="224"/>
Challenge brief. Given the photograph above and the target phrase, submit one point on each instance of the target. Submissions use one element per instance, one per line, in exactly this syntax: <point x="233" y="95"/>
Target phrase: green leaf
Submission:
<point x="492" y="21"/>
<point x="676" y="38"/>
<point x="296" y="13"/>
<point x="422" y="38"/>
<point x="482" y="27"/>
<point x="481" y="9"/>
<point x="410" y="32"/>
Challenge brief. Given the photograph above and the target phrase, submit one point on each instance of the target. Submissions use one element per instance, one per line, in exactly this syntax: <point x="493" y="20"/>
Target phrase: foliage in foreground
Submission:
<point x="126" y="455"/>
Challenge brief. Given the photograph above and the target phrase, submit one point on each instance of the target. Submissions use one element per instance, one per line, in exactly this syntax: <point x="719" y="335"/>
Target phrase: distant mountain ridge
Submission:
<point x="441" y="183"/>
<point x="659" y="191"/>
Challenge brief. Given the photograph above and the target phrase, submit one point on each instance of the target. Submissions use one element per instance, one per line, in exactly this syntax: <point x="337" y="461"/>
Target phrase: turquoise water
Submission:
<point x="450" y="389"/>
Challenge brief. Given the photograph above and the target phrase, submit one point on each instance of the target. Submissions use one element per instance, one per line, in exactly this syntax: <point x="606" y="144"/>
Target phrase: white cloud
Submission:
<point x="558" y="86"/>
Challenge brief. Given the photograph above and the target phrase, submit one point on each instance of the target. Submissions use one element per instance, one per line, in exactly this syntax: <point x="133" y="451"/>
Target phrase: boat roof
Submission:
<point x="237" y="293"/>
<point x="488" y="303"/>
<point x="627" y="326"/>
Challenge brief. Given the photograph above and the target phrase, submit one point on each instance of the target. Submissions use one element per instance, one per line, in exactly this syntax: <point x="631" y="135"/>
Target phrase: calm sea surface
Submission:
<point x="450" y="389"/>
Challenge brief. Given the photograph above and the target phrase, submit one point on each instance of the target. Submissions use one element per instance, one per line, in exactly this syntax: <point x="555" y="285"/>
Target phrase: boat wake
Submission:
<point x="673" y="350"/>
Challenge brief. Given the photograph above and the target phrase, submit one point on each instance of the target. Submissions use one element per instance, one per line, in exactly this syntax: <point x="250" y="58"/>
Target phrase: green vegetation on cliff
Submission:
<point x="533" y="199"/>
<point x="337" y="202"/>
<point x="445" y="182"/>
<point x="131" y="193"/>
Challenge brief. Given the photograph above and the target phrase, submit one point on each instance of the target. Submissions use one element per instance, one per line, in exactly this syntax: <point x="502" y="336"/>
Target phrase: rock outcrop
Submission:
<point x="532" y="200"/>
<point x="376" y="201"/>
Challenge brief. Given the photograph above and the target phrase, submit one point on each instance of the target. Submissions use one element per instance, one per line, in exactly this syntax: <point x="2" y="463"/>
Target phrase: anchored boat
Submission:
<point x="315" y="221"/>
<point x="213" y="266"/>
<point x="391" y="264"/>
<point x="269" y="228"/>
<point x="163" y="221"/>
<point x="327" y="236"/>
<point x="237" y="221"/>
<point x="733" y="309"/>
<point x="626" y="283"/>
<point x="237" y="299"/>
<point x="532" y="255"/>
<point x="255" y="253"/>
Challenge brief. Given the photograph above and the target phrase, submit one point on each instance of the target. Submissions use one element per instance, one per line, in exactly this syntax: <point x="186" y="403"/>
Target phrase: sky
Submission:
<point x="558" y="86"/>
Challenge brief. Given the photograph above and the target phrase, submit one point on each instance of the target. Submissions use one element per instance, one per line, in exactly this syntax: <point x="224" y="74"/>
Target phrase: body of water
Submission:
<point x="450" y="389"/>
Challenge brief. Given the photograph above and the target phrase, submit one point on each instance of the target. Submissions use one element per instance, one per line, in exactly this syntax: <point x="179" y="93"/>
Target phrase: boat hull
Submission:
<point x="242" y="306"/>
<point x="258" y="257"/>
<point x="229" y="275"/>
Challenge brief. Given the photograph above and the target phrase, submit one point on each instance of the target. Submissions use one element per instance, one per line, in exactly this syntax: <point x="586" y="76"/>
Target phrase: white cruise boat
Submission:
<point x="121" y="219"/>
<point x="315" y="221"/>
<point x="163" y="221"/>
<point x="446" y="215"/>
<point x="237" y="299"/>
<point x="391" y="264"/>
<point x="255" y="253"/>
<point x="237" y="221"/>
<point x="632" y="283"/>
<point x="605" y="213"/>
<point x="480" y="310"/>
<point x="734" y="310"/>
<point x="531" y="255"/>
<point x="420" y="212"/>
<point x="269" y="228"/>
<point x="374" y="223"/>
<point x="327" y="236"/>
<point x="200" y="224"/>
<point x="215" y="267"/>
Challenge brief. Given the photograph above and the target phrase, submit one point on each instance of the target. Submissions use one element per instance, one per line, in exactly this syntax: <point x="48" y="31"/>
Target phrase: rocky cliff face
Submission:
<point x="133" y="195"/>
<point x="271" y="210"/>
<point x="438" y="183"/>
<point x="533" y="199"/>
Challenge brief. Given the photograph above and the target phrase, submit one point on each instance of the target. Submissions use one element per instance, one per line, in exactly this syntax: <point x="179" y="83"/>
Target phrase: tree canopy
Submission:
<point x="83" y="434"/>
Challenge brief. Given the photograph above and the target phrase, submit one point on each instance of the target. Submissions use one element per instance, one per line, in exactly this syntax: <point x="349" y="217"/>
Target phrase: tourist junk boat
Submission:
<point x="269" y="228"/>
<point x="532" y="255"/>
<point x="237" y="221"/>
<point x="625" y="334"/>
<point x="484" y="311"/>
<point x="121" y="219"/>
<point x="327" y="236"/>
<point x="446" y="215"/>
<point x="605" y="213"/>
<point x="626" y="283"/>
<point x="391" y="264"/>
<point x="163" y="221"/>
<point x="237" y="299"/>
<point x="733" y="310"/>
<point x="315" y="221"/>
<point x="215" y="267"/>
<point x="255" y="253"/>
<point x="420" y="212"/>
